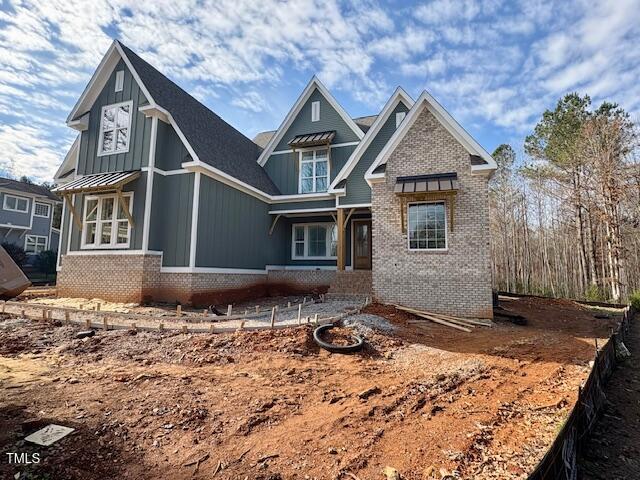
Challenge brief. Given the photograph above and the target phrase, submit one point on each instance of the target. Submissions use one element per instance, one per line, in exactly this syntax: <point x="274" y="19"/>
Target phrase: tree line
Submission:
<point x="565" y="221"/>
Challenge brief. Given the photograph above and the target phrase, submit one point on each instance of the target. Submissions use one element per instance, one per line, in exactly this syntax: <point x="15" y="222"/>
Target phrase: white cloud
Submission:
<point x="494" y="63"/>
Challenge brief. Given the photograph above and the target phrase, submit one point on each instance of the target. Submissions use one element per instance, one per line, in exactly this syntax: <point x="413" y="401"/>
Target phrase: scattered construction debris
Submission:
<point x="486" y="404"/>
<point x="12" y="280"/>
<point x="49" y="435"/>
<point x="459" y="323"/>
<point x="355" y="342"/>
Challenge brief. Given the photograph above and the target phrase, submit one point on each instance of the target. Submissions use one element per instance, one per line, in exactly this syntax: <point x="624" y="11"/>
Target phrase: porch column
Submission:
<point x="341" y="244"/>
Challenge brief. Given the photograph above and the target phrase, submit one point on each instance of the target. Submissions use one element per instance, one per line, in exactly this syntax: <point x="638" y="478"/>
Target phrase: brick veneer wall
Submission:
<point x="457" y="281"/>
<point x="113" y="277"/>
<point x="137" y="278"/>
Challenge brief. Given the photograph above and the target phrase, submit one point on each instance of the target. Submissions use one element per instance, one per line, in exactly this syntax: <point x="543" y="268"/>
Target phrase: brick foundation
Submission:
<point x="137" y="279"/>
<point x="456" y="281"/>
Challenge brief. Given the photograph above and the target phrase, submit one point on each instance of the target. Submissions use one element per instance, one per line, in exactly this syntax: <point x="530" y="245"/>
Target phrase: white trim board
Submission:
<point x="399" y="96"/>
<point x="446" y="120"/>
<point x="313" y="84"/>
<point x="241" y="271"/>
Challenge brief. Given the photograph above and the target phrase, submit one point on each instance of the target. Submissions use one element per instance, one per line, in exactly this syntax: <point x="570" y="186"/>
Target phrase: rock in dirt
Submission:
<point x="85" y="333"/>
<point x="391" y="473"/>
<point x="365" y="394"/>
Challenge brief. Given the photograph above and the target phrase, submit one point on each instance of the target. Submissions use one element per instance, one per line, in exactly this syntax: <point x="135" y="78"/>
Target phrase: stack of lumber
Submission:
<point x="462" y="324"/>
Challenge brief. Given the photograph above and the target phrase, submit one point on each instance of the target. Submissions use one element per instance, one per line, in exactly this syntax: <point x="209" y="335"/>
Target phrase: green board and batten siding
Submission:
<point x="170" y="151"/>
<point x="137" y="157"/>
<point x="170" y="230"/>
<point x="233" y="229"/>
<point x="358" y="190"/>
<point x="283" y="167"/>
<point x="284" y="170"/>
<point x="330" y="119"/>
<point x="313" y="205"/>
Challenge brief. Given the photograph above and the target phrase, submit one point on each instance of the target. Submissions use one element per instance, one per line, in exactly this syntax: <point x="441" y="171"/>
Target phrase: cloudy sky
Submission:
<point x="495" y="64"/>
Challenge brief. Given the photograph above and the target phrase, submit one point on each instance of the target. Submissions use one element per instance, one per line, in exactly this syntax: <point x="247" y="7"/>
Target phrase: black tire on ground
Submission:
<point x="354" y="347"/>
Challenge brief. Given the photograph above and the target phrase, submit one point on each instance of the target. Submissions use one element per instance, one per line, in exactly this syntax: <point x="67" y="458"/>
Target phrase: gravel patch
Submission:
<point x="365" y="324"/>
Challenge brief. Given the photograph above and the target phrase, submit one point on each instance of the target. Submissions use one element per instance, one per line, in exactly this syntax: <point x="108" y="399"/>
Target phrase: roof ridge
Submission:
<point x="129" y="51"/>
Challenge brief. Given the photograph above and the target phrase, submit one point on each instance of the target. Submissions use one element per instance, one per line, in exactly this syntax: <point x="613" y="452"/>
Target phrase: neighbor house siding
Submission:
<point x="233" y="229"/>
<point x="18" y="219"/>
<point x="137" y="157"/>
<point x="170" y="230"/>
<point x="284" y="168"/>
<point x="358" y="190"/>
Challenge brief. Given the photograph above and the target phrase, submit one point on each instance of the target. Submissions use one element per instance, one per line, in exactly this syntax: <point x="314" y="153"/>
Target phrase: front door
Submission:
<point x="361" y="244"/>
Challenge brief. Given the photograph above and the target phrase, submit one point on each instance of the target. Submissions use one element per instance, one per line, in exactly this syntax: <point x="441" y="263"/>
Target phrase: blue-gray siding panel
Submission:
<point x="171" y="208"/>
<point x="41" y="226"/>
<point x="358" y="190"/>
<point x="284" y="168"/>
<point x="170" y="151"/>
<point x="15" y="218"/>
<point x="138" y="154"/>
<point x="233" y="229"/>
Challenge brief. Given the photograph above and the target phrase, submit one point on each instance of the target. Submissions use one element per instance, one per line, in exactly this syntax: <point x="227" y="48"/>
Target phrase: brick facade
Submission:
<point x="456" y="281"/>
<point x="137" y="278"/>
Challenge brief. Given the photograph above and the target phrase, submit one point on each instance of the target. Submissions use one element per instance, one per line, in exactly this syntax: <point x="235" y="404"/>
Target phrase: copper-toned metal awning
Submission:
<point x="98" y="182"/>
<point x="441" y="186"/>
<point x="442" y="182"/>
<point x="312" y="139"/>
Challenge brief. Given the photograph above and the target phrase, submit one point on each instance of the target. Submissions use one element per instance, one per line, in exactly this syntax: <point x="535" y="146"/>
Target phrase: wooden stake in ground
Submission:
<point x="179" y="310"/>
<point x="67" y="320"/>
<point x="299" y="312"/>
<point x="4" y="304"/>
<point x="273" y="316"/>
<point x="88" y="322"/>
<point x="98" y="307"/>
<point x="229" y="308"/>
<point x="106" y="325"/>
<point x="315" y="319"/>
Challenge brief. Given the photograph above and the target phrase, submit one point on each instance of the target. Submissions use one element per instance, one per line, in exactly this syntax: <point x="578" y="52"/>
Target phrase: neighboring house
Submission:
<point x="26" y="216"/>
<point x="166" y="201"/>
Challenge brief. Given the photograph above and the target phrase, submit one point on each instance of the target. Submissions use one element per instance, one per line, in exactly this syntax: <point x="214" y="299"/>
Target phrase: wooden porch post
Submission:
<point x="341" y="245"/>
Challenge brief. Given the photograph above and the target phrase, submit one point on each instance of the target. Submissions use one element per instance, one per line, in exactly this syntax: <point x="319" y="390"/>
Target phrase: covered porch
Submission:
<point x="346" y="231"/>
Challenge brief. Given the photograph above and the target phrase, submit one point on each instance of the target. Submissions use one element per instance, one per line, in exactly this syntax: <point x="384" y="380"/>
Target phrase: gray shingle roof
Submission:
<point x="213" y="140"/>
<point x="18" y="186"/>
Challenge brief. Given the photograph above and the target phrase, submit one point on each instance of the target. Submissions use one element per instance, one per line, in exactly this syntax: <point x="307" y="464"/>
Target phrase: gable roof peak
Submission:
<point x="314" y="84"/>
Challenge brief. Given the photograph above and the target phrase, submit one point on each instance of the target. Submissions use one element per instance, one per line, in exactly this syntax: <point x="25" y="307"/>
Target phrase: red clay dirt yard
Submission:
<point x="425" y="400"/>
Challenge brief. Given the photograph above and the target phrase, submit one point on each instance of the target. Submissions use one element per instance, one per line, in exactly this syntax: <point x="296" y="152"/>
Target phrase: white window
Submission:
<point x="115" y="127"/>
<point x="399" y="117"/>
<point x="427" y="226"/>
<point x="41" y="210"/>
<point x="35" y="244"/>
<point x="15" y="204"/>
<point x="315" y="111"/>
<point x="314" y="171"/>
<point x="105" y="224"/>
<point x="119" y="80"/>
<point x="314" y="241"/>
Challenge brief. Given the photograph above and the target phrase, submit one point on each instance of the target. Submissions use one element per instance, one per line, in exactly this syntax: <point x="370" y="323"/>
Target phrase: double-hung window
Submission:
<point x="35" y="243"/>
<point x="427" y="226"/>
<point x="105" y="223"/>
<point x="314" y="171"/>
<point x="115" y="128"/>
<point x="15" y="204"/>
<point x="41" y="210"/>
<point x="314" y="241"/>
